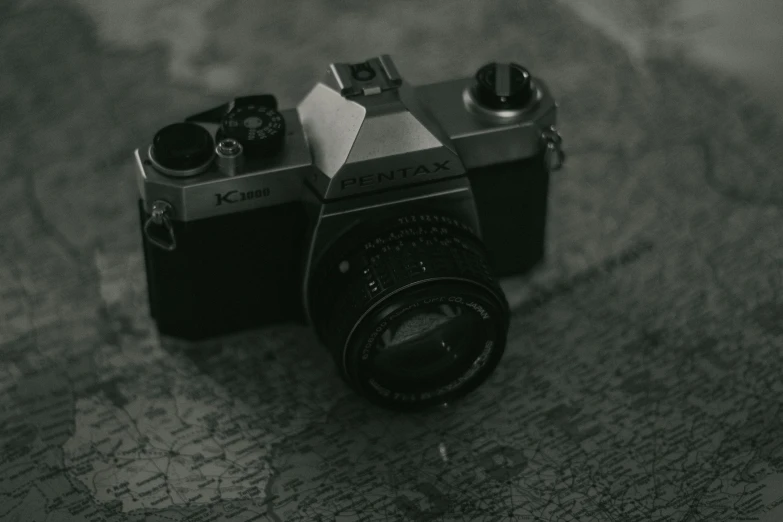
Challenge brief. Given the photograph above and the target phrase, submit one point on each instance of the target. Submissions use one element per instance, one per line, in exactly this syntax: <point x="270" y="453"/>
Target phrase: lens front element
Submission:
<point x="425" y="345"/>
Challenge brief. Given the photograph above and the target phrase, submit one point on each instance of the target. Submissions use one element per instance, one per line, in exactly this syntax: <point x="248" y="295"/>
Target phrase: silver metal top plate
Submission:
<point x="362" y="144"/>
<point x="261" y="183"/>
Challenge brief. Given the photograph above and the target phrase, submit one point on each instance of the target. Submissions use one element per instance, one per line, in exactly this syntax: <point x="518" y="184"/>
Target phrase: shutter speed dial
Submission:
<point x="248" y="126"/>
<point x="258" y="128"/>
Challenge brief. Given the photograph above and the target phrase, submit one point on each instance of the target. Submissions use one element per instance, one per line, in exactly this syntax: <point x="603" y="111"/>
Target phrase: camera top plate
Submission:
<point x="369" y="130"/>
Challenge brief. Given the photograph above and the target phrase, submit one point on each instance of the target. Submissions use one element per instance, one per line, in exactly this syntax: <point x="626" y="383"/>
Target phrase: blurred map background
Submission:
<point x="643" y="379"/>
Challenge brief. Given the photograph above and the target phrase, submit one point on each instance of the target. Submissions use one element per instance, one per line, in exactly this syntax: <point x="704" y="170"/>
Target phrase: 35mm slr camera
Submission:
<point x="379" y="212"/>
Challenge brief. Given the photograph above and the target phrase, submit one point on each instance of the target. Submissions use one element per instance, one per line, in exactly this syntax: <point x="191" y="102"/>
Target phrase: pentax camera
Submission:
<point x="378" y="212"/>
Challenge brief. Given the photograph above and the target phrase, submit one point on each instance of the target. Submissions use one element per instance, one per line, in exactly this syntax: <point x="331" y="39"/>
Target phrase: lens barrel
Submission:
<point x="410" y="310"/>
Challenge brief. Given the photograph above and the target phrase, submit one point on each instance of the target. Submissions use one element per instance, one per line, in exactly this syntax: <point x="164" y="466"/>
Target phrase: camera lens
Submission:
<point x="410" y="312"/>
<point x="428" y="346"/>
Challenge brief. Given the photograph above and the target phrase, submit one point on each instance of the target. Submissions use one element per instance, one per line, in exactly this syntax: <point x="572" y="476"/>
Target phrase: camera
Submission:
<point x="378" y="212"/>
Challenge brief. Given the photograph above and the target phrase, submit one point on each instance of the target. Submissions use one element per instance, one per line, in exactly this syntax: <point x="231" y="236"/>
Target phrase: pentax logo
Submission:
<point x="404" y="173"/>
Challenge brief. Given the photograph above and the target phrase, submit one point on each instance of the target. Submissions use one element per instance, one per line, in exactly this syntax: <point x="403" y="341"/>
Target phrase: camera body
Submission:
<point x="266" y="226"/>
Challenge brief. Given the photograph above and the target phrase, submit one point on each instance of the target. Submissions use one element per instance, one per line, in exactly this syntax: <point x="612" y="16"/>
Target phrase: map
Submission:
<point x="643" y="380"/>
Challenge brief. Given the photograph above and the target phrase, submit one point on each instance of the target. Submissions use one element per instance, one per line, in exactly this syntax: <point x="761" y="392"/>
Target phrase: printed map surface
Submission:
<point x="643" y="380"/>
